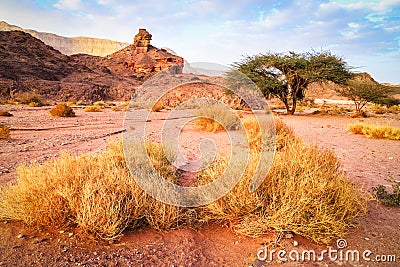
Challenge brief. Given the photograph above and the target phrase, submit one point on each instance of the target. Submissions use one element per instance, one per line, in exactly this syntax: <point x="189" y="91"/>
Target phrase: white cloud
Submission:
<point x="70" y="5"/>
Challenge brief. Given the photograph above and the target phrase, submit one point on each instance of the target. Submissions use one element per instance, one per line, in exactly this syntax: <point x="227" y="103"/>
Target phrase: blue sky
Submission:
<point x="365" y="33"/>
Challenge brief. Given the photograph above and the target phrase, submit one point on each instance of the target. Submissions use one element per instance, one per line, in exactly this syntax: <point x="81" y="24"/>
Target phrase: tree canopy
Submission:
<point x="287" y="75"/>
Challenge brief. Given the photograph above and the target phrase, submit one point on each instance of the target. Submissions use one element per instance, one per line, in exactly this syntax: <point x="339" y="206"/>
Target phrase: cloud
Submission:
<point x="205" y="30"/>
<point x="70" y="5"/>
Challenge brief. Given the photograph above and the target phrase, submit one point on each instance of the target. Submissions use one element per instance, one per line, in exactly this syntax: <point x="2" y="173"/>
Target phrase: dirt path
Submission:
<point x="367" y="162"/>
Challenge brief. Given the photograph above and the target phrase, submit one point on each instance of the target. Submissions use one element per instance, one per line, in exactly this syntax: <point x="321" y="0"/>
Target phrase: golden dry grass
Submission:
<point x="5" y="113"/>
<point x="62" y="110"/>
<point x="376" y="131"/>
<point x="95" y="193"/>
<point x="157" y="107"/>
<point x="4" y="131"/>
<point x="93" y="109"/>
<point x="305" y="192"/>
<point x="216" y="118"/>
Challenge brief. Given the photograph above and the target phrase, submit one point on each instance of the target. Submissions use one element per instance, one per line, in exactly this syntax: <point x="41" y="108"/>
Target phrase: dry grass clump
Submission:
<point x="4" y="131"/>
<point x="93" y="109"/>
<point x="62" y="110"/>
<point x="95" y="193"/>
<point x="305" y="193"/>
<point x="115" y="108"/>
<point x="32" y="99"/>
<point x="157" y="107"/>
<point x="5" y="113"/>
<point x="375" y="131"/>
<point x="215" y="118"/>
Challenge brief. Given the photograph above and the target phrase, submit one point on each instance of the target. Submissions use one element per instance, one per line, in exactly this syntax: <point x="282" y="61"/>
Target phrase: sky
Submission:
<point x="365" y="33"/>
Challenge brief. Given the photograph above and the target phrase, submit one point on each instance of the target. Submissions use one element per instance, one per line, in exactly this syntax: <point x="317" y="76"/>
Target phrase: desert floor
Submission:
<point x="36" y="136"/>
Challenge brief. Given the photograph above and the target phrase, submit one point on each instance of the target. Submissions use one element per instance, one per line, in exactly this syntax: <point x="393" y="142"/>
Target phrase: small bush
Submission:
<point x="81" y="103"/>
<point x="216" y="118"/>
<point x="116" y="109"/>
<point x="4" y="131"/>
<point x="93" y="109"/>
<point x="62" y="110"/>
<point x="29" y="98"/>
<point x="375" y="131"/>
<point x="305" y="192"/>
<point x="99" y="103"/>
<point x="157" y="107"/>
<point x="388" y="198"/>
<point x="5" y="113"/>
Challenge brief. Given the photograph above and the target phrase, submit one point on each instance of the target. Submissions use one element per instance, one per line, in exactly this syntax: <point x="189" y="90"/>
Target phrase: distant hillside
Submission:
<point x="74" y="45"/>
<point x="27" y="64"/>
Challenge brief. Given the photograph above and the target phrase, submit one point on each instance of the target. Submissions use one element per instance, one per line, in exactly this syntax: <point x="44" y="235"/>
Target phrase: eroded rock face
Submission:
<point x="143" y="58"/>
<point x="71" y="45"/>
<point x="142" y="41"/>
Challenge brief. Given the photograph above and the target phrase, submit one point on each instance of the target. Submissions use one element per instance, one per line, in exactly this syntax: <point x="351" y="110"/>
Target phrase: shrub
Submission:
<point x="5" y="113"/>
<point x="376" y="131"/>
<point x="93" y="109"/>
<point x="157" y="107"/>
<point x="215" y="118"/>
<point x="99" y="103"/>
<point x="62" y="110"/>
<point x="4" y="131"/>
<point x="29" y="98"/>
<point x="81" y="103"/>
<point x="305" y="192"/>
<point x="388" y="198"/>
<point x="116" y="109"/>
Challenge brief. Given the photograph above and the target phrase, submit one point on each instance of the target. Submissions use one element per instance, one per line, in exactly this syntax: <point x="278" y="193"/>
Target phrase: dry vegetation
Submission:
<point x="305" y="192"/>
<point x="375" y="131"/>
<point x="93" y="109"/>
<point x="4" y="131"/>
<point x="215" y="118"/>
<point x="157" y="107"/>
<point x="5" y="113"/>
<point x="62" y="110"/>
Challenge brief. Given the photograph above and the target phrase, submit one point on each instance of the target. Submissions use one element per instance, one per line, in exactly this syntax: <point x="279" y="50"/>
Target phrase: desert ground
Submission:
<point x="36" y="136"/>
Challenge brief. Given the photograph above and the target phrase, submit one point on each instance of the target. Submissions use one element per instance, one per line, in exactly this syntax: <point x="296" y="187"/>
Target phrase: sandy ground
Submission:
<point x="36" y="136"/>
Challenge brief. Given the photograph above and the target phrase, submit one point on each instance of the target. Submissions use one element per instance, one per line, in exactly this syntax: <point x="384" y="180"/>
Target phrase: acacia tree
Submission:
<point x="287" y="75"/>
<point x="361" y="92"/>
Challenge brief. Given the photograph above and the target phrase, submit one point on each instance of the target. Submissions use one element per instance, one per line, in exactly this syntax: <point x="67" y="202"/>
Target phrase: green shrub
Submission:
<point x="388" y="198"/>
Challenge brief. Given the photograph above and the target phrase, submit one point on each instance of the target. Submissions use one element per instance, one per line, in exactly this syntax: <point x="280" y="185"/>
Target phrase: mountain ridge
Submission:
<point x="71" y="45"/>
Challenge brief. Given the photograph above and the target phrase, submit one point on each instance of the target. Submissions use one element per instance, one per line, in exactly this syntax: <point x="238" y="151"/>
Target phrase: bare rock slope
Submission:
<point x="71" y="45"/>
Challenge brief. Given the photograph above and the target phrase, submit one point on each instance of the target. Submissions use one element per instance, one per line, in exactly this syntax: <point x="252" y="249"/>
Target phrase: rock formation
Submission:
<point x="27" y="64"/>
<point x="143" y="58"/>
<point x="73" y="45"/>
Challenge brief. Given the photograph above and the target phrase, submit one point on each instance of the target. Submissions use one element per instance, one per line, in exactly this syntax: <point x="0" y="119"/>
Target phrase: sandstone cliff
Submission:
<point x="74" y="45"/>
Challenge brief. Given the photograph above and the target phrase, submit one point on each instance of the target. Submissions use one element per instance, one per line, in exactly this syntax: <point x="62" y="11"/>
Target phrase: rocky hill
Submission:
<point x="27" y="64"/>
<point x="73" y="45"/>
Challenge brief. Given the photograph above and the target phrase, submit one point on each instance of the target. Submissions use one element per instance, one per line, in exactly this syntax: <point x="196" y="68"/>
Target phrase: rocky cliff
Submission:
<point x="27" y="64"/>
<point x="74" y="45"/>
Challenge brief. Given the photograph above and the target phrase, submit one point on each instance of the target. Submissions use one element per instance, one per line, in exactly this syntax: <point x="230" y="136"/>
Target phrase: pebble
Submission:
<point x="70" y="234"/>
<point x="20" y="236"/>
<point x="366" y="238"/>
<point x="288" y="236"/>
<point x="295" y="243"/>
